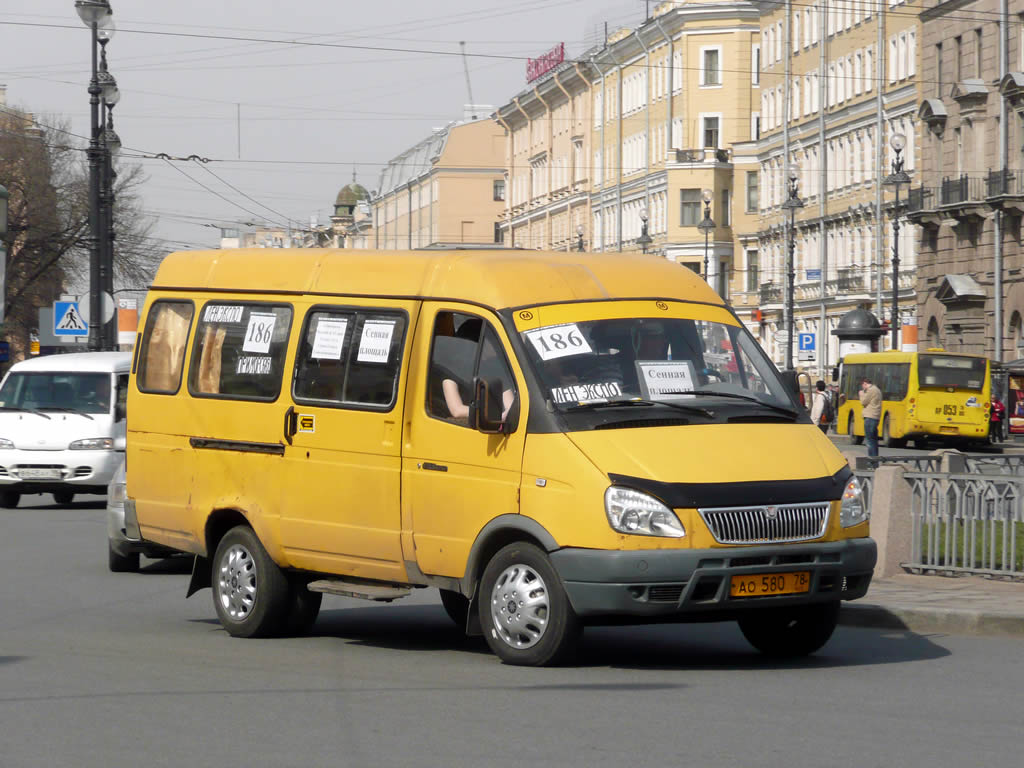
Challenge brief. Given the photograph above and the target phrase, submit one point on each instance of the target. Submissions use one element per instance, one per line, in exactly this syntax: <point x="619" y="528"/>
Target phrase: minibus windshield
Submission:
<point x="652" y="360"/>
<point x="951" y="371"/>
<point x="57" y="391"/>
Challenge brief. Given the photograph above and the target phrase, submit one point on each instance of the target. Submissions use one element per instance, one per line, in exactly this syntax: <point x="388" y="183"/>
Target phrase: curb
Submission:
<point x="936" y="620"/>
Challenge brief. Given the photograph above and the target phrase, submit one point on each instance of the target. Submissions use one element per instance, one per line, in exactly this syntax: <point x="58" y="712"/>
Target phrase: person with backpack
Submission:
<point x="823" y="410"/>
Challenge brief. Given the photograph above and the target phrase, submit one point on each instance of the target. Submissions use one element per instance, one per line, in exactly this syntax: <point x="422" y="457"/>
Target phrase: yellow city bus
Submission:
<point x="925" y="395"/>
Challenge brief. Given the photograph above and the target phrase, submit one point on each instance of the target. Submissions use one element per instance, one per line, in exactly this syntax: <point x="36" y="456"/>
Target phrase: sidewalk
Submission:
<point x="969" y="605"/>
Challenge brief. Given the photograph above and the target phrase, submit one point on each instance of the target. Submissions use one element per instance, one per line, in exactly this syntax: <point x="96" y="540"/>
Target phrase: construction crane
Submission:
<point x="469" y="88"/>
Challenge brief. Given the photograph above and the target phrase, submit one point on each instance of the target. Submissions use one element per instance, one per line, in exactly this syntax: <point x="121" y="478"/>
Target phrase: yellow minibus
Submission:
<point x="550" y="439"/>
<point x="925" y="395"/>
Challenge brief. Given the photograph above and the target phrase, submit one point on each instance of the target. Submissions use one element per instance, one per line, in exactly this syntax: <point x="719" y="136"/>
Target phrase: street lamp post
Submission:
<point x="644" y="240"/>
<point x="897" y="177"/>
<point x="94" y="14"/>
<point x="109" y="96"/>
<point x="579" y="238"/>
<point x="793" y="202"/>
<point x="4" y="200"/>
<point x="707" y="226"/>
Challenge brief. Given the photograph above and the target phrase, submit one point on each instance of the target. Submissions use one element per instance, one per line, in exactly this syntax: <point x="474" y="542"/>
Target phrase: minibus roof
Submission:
<point x="497" y="279"/>
<point x="91" y="362"/>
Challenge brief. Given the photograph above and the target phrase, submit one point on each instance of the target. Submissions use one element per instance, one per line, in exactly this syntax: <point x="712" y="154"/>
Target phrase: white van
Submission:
<point x="62" y="425"/>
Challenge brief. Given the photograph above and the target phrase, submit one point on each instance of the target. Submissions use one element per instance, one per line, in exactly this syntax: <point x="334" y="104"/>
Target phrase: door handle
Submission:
<point x="434" y="467"/>
<point x="290" y="421"/>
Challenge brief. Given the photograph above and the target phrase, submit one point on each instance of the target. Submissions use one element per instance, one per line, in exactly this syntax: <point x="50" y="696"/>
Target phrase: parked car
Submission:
<point x="62" y="425"/>
<point x="122" y="552"/>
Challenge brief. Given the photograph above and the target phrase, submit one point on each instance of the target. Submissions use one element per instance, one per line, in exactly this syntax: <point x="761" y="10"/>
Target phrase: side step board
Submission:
<point x="382" y="593"/>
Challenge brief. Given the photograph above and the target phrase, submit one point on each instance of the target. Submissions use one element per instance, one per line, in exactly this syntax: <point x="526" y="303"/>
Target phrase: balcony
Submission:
<point x="963" y="197"/>
<point x="1006" y="190"/>
<point x="770" y="293"/>
<point x="699" y="156"/>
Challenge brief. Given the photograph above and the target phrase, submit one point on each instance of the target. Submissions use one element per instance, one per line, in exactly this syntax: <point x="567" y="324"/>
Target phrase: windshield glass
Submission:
<point x="82" y="392"/>
<point x="949" y="371"/>
<point x="652" y="359"/>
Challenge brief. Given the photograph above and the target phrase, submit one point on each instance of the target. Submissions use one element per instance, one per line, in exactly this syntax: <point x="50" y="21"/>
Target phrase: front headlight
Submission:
<point x="638" y="513"/>
<point x="93" y="444"/>
<point x="5" y="443"/>
<point x="852" y="510"/>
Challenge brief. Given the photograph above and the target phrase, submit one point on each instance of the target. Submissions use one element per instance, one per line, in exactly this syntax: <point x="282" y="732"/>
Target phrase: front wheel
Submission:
<point x="250" y="592"/>
<point x="9" y="499"/>
<point x="63" y="497"/>
<point x="524" y="610"/>
<point x="790" y="632"/>
<point x="118" y="563"/>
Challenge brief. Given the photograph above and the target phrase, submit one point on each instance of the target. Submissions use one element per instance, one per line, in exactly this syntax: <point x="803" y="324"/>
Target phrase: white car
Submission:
<point x="62" y="425"/>
<point x="122" y="552"/>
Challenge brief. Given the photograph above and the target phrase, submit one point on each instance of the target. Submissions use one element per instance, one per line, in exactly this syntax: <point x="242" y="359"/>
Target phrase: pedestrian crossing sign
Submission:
<point x="68" y="320"/>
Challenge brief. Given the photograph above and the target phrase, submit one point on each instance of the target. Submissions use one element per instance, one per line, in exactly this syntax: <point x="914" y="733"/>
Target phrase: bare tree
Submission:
<point x="45" y="171"/>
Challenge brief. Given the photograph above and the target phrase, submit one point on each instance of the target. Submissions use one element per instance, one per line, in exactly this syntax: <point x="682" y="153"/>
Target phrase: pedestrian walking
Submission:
<point x="997" y="418"/>
<point x="871" y="408"/>
<point x="821" y="407"/>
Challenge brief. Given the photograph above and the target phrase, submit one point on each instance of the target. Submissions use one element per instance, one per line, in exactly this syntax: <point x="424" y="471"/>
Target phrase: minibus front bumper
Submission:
<point x="695" y="584"/>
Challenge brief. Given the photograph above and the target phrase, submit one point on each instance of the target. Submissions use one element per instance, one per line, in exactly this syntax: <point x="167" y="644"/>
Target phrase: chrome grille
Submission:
<point x="768" y="524"/>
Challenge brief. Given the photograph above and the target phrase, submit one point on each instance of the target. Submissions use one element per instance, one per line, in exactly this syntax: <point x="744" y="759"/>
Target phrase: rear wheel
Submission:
<point x="9" y="499"/>
<point x="63" y="497"/>
<point x="524" y="611"/>
<point x="456" y="605"/>
<point x="250" y="593"/>
<point x="119" y="563"/>
<point x="790" y="632"/>
<point x="857" y="439"/>
<point x="888" y="440"/>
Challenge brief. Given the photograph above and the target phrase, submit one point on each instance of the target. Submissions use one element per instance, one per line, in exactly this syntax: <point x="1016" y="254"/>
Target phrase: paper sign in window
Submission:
<point x="375" y="344"/>
<point x="222" y="314"/>
<point x="597" y="392"/>
<point x="329" y="339"/>
<point x="556" y="341"/>
<point x="664" y="379"/>
<point x="260" y="332"/>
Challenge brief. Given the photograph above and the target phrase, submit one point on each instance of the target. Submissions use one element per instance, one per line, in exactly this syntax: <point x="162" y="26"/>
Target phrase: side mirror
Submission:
<point x="485" y="410"/>
<point x="791" y="381"/>
<point x="835" y="375"/>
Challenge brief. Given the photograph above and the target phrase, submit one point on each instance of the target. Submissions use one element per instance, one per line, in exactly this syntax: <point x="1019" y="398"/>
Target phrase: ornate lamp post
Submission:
<point x="579" y="238"/>
<point x="897" y="177"/>
<point x="4" y="201"/>
<point x="707" y="226"/>
<point x="109" y="96"/>
<point x="792" y="203"/>
<point x="95" y="14"/>
<point x="644" y="240"/>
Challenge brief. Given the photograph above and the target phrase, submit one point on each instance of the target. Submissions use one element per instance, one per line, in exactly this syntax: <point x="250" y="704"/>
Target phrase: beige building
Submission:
<point x="448" y="188"/>
<point x="968" y="202"/>
<point x="839" y="79"/>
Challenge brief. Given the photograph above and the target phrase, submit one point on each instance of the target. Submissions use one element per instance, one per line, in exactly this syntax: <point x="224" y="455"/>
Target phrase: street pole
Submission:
<point x="897" y="177"/>
<point x="579" y="235"/>
<point x="706" y="226"/>
<point x="644" y="240"/>
<point x="792" y="203"/>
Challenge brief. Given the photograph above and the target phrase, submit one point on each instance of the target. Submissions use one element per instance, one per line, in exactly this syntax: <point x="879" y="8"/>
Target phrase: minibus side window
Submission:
<point x="162" y="354"/>
<point x="349" y="359"/>
<point x="239" y="351"/>
<point x="464" y="347"/>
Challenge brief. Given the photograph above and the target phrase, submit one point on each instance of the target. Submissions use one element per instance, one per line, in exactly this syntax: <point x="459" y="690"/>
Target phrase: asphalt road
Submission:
<point x="102" y="669"/>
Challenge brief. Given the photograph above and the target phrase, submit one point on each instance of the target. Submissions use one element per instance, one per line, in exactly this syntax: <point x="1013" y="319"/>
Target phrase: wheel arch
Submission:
<point x="500" y="532"/>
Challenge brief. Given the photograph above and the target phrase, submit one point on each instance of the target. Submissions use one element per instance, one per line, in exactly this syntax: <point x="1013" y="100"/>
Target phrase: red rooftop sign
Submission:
<point x="544" y="63"/>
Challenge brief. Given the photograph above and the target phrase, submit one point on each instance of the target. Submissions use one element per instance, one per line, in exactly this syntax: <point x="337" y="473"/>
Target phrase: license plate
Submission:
<point x="762" y="584"/>
<point x="35" y="473"/>
<point x="949" y="430"/>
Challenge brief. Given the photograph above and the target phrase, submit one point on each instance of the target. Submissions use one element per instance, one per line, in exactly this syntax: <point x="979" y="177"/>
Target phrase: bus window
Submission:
<point x="949" y="371"/>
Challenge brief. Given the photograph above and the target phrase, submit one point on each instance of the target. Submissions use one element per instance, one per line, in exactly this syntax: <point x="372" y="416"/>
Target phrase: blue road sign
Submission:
<point x="67" y="320"/>
<point x="806" y="342"/>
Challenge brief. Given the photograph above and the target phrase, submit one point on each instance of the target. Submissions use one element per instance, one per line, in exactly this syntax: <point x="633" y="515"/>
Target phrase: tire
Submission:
<point x="920" y="443"/>
<point x="119" y="563"/>
<point x="63" y="497"/>
<point x="9" y="499"/>
<point x="857" y="439"/>
<point x="250" y="593"/>
<point x="544" y="629"/>
<point x="887" y="439"/>
<point x="456" y="605"/>
<point x="304" y="607"/>
<point x="791" y="632"/>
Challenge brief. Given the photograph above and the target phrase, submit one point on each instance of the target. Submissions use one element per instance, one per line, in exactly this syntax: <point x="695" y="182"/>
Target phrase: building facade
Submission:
<point x="839" y="79"/>
<point x="969" y="200"/>
<point x="447" y="189"/>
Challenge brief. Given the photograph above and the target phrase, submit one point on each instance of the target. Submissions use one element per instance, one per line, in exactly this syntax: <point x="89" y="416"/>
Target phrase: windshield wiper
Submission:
<point x="25" y="410"/>
<point x="615" y="403"/>
<point x="68" y="410"/>
<point x="748" y="398"/>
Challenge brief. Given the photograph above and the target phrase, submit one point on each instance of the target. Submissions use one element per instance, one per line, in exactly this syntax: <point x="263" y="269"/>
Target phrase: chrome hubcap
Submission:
<point x="236" y="582"/>
<point x="519" y="607"/>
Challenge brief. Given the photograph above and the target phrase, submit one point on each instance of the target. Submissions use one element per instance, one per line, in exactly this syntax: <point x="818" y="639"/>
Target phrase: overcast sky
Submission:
<point x="337" y="97"/>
